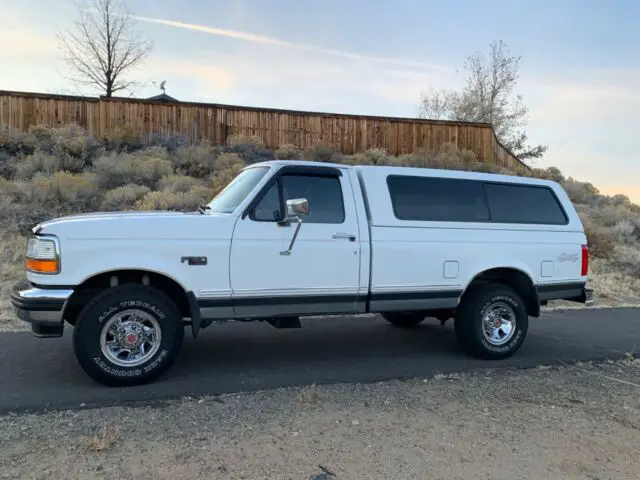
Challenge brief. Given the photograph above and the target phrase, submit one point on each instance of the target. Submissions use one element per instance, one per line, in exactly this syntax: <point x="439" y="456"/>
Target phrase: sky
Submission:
<point x="579" y="75"/>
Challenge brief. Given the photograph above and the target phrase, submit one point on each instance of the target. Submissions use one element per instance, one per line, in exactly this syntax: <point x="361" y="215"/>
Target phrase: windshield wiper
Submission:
<point x="203" y="208"/>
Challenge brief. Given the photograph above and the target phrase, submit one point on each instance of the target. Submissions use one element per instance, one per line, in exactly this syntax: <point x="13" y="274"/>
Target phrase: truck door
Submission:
<point x="320" y="273"/>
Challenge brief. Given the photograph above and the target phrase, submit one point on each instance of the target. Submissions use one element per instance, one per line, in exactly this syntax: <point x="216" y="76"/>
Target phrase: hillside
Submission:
<point x="49" y="172"/>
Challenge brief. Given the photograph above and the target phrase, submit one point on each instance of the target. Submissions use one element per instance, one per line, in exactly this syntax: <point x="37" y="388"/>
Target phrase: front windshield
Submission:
<point x="237" y="190"/>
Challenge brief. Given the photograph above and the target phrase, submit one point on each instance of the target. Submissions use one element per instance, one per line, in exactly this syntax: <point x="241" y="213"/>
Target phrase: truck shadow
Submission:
<point x="260" y="345"/>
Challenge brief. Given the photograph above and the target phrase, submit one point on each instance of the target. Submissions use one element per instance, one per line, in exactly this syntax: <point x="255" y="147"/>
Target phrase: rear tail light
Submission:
<point x="585" y="260"/>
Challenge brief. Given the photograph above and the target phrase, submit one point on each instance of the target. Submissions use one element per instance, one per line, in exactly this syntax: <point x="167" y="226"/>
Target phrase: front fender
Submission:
<point x="80" y="264"/>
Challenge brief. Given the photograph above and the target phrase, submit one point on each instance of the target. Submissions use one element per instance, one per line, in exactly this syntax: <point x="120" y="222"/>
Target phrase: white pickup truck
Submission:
<point x="287" y="239"/>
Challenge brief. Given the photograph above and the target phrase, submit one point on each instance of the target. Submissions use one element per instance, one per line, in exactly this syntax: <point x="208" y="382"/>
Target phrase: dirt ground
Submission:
<point x="573" y="422"/>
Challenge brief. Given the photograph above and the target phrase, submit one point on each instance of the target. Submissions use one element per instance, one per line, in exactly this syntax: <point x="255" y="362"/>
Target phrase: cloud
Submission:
<point x="264" y="40"/>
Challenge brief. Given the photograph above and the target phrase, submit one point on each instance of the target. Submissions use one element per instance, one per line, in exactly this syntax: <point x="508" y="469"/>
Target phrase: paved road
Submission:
<point x="42" y="373"/>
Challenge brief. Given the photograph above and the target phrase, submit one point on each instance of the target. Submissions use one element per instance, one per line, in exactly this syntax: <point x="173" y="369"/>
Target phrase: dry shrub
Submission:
<point x="195" y="160"/>
<point x="613" y="214"/>
<point x="205" y="194"/>
<point x="169" y="201"/>
<point x="322" y="152"/>
<point x="170" y="141"/>
<point x="123" y="198"/>
<point x="107" y="438"/>
<point x="581" y="192"/>
<point x="25" y="203"/>
<point x="288" y="152"/>
<point x="610" y="281"/>
<point x="8" y="164"/>
<point x="70" y="140"/>
<point x="141" y="168"/>
<point x="628" y="259"/>
<point x="450" y="157"/>
<point x="246" y="140"/>
<point x="123" y="138"/>
<point x="249" y="147"/>
<point x="41" y="162"/>
<point x="178" y="183"/>
<point x="601" y="242"/>
<point x="66" y="192"/>
<point x="373" y="156"/>
<point x="549" y="173"/>
<point x="12" y="246"/>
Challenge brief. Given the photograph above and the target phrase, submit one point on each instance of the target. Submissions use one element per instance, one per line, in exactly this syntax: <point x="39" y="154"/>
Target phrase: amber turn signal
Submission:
<point x="41" y="266"/>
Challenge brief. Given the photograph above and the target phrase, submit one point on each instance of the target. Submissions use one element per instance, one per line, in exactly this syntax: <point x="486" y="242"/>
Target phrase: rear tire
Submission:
<point x="404" y="320"/>
<point x="128" y="335"/>
<point x="491" y="322"/>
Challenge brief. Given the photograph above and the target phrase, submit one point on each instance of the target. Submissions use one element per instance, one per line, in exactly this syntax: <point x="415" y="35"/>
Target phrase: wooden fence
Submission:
<point x="349" y="133"/>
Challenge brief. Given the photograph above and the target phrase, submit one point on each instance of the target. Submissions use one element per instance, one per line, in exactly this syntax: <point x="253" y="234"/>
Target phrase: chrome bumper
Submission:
<point x="43" y="308"/>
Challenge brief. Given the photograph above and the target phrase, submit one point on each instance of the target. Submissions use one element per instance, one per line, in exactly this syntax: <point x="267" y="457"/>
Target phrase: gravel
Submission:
<point x="580" y="421"/>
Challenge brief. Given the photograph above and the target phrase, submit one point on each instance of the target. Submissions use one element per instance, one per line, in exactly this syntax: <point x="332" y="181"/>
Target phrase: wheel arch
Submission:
<point x="513" y="277"/>
<point x="98" y="282"/>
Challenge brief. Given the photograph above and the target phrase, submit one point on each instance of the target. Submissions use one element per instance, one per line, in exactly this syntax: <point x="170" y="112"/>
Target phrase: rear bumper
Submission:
<point x="572" y="292"/>
<point x="42" y="308"/>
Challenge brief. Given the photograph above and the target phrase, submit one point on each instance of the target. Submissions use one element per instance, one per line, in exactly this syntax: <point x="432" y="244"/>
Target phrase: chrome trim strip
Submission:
<point x="43" y="295"/>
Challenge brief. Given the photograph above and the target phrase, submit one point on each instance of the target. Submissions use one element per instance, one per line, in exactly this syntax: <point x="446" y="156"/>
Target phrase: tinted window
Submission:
<point x="324" y="195"/>
<point x="437" y="199"/>
<point x="524" y="204"/>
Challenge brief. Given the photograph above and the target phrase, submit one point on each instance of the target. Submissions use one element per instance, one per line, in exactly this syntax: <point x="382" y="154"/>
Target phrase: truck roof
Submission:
<point x="404" y="170"/>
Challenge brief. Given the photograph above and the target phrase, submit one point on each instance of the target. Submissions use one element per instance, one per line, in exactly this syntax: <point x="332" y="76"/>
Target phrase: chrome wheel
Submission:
<point x="130" y="338"/>
<point x="499" y="323"/>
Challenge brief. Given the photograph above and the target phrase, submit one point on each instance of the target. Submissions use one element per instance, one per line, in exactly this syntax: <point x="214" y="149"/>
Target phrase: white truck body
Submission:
<point x="400" y="241"/>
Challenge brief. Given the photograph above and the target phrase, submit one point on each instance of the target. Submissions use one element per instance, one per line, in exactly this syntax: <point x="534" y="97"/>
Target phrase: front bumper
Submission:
<point x="43" y="308"/>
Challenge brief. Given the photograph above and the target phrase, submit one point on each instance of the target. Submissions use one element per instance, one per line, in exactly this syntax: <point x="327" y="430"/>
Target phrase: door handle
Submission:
<point x="344" y="236"/>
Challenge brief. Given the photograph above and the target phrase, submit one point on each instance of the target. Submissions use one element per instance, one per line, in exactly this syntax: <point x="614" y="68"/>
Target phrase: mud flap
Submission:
<point x="196" y="319"/>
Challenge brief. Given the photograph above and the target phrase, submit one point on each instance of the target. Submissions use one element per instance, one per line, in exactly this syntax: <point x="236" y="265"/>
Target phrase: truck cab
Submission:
<point x="288" y="239"/>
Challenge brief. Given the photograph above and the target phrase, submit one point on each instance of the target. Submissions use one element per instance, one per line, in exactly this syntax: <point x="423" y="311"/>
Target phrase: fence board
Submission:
<point x="197" y="121"/>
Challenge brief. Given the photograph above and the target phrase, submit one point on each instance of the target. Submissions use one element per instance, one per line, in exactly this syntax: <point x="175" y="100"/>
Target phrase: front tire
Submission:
<point x="128" y="335"/>
<point x="491" y="322"/>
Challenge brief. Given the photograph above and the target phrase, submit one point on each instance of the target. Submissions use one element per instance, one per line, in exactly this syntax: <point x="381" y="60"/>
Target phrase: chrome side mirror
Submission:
<point x="295" y="208"/>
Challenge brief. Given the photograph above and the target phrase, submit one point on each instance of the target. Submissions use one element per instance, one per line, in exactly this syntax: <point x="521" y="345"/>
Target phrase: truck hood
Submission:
<point x="139" y="225"/>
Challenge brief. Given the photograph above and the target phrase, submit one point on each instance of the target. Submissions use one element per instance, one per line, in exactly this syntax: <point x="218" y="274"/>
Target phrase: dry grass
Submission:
<point x="106" y="439"/>
<point x="309" y="396"/>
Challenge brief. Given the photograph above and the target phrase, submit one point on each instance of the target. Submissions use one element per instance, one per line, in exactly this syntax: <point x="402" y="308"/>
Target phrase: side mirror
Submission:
<point x="295" y="208"/>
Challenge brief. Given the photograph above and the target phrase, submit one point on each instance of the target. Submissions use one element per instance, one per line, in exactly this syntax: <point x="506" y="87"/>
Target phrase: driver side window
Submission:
<point x="326" y="204"/>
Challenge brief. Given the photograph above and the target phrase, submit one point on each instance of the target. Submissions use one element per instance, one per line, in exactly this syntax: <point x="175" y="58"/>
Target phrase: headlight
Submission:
<point x="42" y="256"/>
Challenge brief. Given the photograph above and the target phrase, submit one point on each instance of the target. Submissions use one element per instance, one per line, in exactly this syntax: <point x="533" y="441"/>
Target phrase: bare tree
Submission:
<point x="487" y="96"/>
<point x="104" y="45"/>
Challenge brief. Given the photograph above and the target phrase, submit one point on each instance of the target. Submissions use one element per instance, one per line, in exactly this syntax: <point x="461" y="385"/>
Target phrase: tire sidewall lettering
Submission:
<point x="118" y="371"/>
